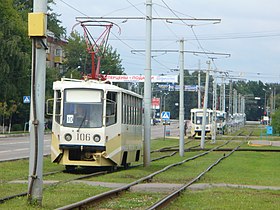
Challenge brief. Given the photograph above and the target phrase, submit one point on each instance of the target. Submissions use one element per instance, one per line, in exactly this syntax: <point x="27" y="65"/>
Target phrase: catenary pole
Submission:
<point x="214" y="117"/>
<point x="205" y="100"/>
<point x="147" y="85"/>
<point x="199" y="89"/>
<point x="181" y="108"/>
<point x="37" y="106"/>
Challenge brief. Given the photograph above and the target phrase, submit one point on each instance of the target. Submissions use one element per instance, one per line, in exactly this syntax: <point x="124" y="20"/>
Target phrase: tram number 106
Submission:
<point x="83" y="137"/>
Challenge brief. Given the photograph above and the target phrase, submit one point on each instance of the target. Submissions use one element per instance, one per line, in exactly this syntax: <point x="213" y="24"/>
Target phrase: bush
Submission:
<point x="275" y="122"/>
<point x="17" y="127"/>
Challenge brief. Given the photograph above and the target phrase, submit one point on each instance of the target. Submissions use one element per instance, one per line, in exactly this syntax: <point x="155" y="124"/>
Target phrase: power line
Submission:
<point x="136" y="7"/>
<point x="191" y="26"/>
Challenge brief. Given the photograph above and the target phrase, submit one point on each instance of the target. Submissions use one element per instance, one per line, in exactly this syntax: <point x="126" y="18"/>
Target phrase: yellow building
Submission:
<point x="55" y="53"/>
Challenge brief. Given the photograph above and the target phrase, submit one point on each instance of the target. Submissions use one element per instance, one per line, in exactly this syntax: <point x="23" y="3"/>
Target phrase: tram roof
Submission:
<point x="200" y="110"/>
<point x="67" y="83"/>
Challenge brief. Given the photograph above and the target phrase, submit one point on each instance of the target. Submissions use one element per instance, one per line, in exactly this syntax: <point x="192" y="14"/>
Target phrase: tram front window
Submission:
<point x="82" y="115"/>
<point x="82" y="108"/>
<point x="198" y="120"/>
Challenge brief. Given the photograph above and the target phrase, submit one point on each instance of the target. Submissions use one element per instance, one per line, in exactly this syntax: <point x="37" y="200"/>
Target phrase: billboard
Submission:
<point x="141" y="78"/>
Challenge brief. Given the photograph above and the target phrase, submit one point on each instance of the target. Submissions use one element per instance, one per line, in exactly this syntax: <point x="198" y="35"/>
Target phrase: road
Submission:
<point x="18" y="147"/>
<point x="157" y="131"/>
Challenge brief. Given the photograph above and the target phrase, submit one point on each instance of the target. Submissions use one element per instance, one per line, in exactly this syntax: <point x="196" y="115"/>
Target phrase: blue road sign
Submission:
<point x="26" y="99"/>
<point x="269" y="130"/>
<point x="165" y="115"/>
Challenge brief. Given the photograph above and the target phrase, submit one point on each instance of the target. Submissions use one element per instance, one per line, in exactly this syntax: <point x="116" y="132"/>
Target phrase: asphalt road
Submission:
<point x="157" y="131"/>
<point x="16" y="147"/>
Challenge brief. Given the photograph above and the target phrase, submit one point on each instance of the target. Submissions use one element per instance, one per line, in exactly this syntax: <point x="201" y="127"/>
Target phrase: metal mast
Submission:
<point x="147" y="85"/>
<point x="181" y="109"/>
<point x="37" y="27"/>
<point x="205" y="107"/>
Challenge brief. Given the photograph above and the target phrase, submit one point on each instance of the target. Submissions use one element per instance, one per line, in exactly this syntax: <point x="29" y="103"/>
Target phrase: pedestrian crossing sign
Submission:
<point x="26" y="99"/>
<point x="165" y="115"/>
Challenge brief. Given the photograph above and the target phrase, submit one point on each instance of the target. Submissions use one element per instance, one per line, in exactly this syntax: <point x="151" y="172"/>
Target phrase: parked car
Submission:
<point x="166" y="122"/>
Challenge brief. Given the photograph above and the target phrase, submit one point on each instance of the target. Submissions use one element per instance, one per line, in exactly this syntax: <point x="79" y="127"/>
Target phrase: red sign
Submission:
<point x="155" y="103"/>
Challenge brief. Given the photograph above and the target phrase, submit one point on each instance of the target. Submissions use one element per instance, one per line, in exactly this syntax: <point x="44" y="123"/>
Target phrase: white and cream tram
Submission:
<point x="196" y="122"/>
<point x="221" y="117"/>
<point x="95" y="124"/>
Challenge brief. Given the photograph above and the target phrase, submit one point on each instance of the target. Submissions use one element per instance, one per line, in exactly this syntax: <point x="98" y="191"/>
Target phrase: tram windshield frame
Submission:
<point x="83" y="108"/>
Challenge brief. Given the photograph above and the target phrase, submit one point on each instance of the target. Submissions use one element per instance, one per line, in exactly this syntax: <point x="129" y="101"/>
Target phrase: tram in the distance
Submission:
<point x="196" y="122"/>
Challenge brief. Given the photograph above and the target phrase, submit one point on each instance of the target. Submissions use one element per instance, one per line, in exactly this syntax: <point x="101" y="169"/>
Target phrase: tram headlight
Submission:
<point x="68" y="137"/>
<point x="96" y="138"/>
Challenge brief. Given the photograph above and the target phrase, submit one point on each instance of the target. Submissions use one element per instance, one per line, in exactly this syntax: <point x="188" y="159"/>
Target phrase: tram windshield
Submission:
<point x="82" y="109"/>
<point x="199" y="117"/>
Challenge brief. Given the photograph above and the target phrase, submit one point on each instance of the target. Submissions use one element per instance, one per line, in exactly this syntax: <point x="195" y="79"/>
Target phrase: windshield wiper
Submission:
<point x="84" y="118"/>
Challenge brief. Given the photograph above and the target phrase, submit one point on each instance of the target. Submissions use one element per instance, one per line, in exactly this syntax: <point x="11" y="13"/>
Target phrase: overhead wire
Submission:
<point x="125" y="8"/>
<point x="195" y="35"/>
<point x="133" y="5"/>
<point x="122" y="41"/>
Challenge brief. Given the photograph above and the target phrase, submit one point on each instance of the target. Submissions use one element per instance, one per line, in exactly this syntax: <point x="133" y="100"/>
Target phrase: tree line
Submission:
<point x="15" y="60"/>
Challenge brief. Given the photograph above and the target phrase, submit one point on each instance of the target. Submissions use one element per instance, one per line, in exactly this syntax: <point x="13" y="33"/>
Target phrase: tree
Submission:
<point x="14" y="53"/>
<point x="54" y="24"/>
<point x="111" y="62"/>
<point x="15" y="56"/>
<point x="276" y="121"/>
<point x="75" y="53"/>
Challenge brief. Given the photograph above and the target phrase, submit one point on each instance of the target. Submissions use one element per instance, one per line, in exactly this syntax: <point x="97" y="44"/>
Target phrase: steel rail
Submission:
<point x="166" y="200"/>
<point x="114" y="192"/>
<point x="2" y="200"/>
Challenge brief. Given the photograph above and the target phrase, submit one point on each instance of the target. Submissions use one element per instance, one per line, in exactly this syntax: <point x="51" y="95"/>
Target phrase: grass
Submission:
<point x="128" y="200"/>
<point x="248" y="168"/>
<point x="19" y="169"/>
<point x="227" y="199"/>
<point x="55" y="197"/>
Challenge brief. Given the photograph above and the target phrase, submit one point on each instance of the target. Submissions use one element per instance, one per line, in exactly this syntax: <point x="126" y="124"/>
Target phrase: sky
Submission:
<point x="249" y="31"/>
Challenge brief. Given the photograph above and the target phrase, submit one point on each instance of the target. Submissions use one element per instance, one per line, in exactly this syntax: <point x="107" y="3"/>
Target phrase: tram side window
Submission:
<point x="58" y="106"/>
<point x="111" y="108"/>
<point x="124" y="108"/>
<point x="192" y="116"/>
<point x="131" y="110"/>
<point x="139" y="112"/>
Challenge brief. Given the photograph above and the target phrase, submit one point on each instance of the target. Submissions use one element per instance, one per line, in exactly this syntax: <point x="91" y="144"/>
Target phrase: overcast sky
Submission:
<point x="249" y="31"/>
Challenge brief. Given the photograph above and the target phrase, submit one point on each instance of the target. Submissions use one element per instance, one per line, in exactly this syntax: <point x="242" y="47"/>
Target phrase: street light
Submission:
<point x="164" y="97"/>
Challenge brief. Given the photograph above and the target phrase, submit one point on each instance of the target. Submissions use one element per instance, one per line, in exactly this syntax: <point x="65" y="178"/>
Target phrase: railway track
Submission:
<point x="10" y="197"/>
<point x="169" y="198"/>
<point x="173" y="151"/>
<point x="117" y="192"/>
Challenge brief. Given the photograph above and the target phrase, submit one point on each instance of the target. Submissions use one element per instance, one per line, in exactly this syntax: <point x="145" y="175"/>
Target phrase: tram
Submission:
<point x="95" y="124"/>
<point x="221" y="117"/>
<point x="196" y="122"/>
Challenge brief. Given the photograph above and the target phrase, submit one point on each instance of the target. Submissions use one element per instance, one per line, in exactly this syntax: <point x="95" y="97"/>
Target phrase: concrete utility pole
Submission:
<point x="37" y="26"/>
<point x="181" y="109"/>
<point x="147" y="86"/>
<point x="234" y="101"/>
<point x="239" y="103"/>
<point x="214" y="124"/>
<point x="199" y="89"/>
<point x="224" y="95"/>
<point x="230" y="98"/>
<point x="205" y="100"/>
